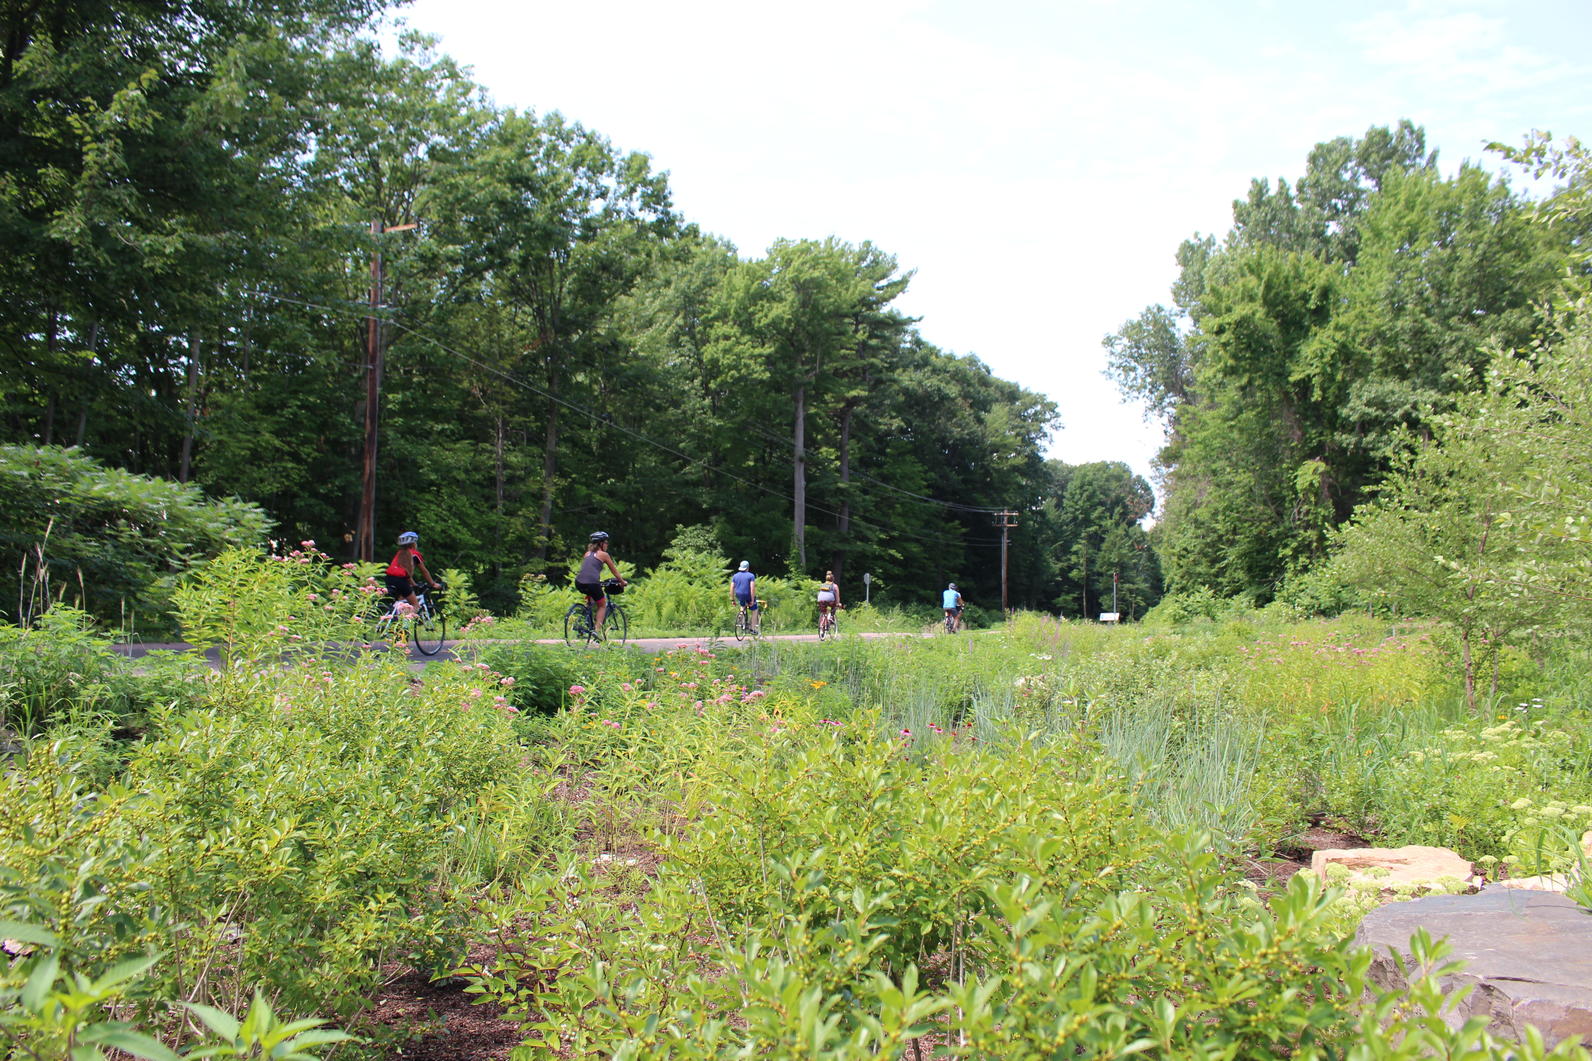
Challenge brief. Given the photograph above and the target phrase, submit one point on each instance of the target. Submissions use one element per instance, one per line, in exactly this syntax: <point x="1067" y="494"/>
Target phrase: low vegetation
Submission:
<point x="974" y="846"/>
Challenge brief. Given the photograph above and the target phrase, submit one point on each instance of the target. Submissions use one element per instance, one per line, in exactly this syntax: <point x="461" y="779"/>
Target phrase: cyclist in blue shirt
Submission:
<point x="743" y="589"/>
<point x="951" y="601"/>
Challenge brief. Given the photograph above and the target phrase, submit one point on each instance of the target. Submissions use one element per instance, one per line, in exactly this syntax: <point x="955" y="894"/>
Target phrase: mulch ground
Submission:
<point x="441" y="1022"/>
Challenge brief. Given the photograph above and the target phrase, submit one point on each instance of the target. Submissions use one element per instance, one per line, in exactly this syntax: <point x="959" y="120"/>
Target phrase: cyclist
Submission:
<point x="828" y="596"/>
<point x="951" y="601"/>
<point x="401" y="572"/>
<point x="743" y="590"/>
<point x="589" y="578"/>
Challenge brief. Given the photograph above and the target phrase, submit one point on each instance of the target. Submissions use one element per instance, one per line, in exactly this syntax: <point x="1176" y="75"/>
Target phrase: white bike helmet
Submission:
<point x="408" y="538"/>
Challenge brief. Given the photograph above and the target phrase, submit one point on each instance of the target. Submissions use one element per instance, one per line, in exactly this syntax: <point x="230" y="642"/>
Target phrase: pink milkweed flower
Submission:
<point x="576" y="690"/>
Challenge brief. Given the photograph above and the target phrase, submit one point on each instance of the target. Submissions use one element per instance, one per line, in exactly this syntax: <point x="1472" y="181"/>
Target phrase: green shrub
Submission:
<point x="58" y="670"/>
<point x="289" y="828"/>
<point x="113" y="542"/>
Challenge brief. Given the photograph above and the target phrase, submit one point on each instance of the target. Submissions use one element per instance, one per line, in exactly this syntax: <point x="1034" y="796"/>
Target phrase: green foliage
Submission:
<point x="1342" y="316"/>
<point x="288" y="829"/>
<point x="1484" y="527"/>
<point x="113" y="542"/>
<point x="60" y="669"/>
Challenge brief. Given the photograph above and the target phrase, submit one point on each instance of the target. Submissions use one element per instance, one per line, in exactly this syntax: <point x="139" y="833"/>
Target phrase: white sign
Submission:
<point x="1110" y="617"/>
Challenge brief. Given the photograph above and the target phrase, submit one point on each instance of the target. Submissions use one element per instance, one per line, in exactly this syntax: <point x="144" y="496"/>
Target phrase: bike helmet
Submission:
<point x="408" y="538"/>
<point x="951" y="586"/>
<point x="746" y="565"/>
<point x="599" y="536"/>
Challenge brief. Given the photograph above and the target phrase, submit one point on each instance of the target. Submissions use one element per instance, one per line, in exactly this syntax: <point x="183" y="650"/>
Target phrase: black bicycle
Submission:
<point x="580" y="624"/>
<point x="749" y="623"/>
<point x="425" y="625"/>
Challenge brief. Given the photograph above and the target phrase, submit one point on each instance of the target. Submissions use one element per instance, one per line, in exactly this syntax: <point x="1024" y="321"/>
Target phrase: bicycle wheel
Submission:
<point x="430" y="630"/>
<point x="577" y="626"/>
<point x="741" y="627"/>
<point x="616" y="627"/>
<point x="825" y="625"/>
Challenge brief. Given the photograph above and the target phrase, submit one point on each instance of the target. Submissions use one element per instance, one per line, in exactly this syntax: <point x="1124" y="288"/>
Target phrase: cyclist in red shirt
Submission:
<point x="401" y="572"/>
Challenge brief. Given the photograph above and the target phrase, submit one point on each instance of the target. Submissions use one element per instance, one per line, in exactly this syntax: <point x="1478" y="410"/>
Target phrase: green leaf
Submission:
<point x="219" y="1021"/>
<point x="26" y="933"/>
<point x="39" y="983"/>
<point x="128" y="1041"/>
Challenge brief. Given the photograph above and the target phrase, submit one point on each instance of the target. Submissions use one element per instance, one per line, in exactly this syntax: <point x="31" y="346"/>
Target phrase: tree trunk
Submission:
<point x="843" y="525"/>
<point x="1470" y="669"/>
<point x="190" y="410"/>
<point x="497" y="477"/>
<point x="799" y="486"/>
<point x="549" y="471"/>
<point x="82" y="414"/>
<point x="48" y="432"/>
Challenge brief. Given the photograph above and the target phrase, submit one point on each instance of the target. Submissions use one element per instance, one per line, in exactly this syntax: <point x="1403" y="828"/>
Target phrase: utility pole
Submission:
<point x="365" y="525"/>
<point x="1008" y="520"/>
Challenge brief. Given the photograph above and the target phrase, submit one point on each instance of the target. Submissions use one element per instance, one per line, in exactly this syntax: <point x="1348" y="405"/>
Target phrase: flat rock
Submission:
<point x="1547" y="882"/>
<point x="1391" y="866"/>
<point x="1528" y="955"/>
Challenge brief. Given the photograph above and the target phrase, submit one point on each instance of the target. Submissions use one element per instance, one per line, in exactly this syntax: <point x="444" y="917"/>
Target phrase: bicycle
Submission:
<point x="828" y="622"/>
<point x="426" y="626"/>
<point x="953" y="622"/>
<point x="745" y="627"/>
<point x="580" y="624"/>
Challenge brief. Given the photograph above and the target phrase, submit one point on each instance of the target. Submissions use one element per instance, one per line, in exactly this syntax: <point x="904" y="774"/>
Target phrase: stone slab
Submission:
<point x="1412" y="864"/>
<point x="1528" y="957"/>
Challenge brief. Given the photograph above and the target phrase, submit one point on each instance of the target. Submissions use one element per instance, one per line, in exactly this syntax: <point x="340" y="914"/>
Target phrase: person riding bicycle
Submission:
<point x="588" y="580"/>
<point x="828" y="596"/>
<point x="401" y="572"/>
<point x="743" y="590"/>
<point x="951" y="601"/>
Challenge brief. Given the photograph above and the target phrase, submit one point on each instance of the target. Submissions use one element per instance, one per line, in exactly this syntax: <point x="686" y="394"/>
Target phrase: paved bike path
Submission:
<point x="449" y="648"/>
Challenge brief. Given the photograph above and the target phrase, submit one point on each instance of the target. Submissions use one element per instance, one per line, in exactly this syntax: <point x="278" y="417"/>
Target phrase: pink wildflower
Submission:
<point x="577" y="690"/>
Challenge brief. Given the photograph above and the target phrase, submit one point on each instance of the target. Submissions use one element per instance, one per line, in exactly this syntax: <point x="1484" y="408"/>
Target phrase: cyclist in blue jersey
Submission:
<point x="951" y="601"/>
<point x="743" y="589"/>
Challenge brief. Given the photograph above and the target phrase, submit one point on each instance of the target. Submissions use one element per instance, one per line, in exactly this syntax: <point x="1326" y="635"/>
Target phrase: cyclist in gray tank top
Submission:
<point x="589" y="578"/>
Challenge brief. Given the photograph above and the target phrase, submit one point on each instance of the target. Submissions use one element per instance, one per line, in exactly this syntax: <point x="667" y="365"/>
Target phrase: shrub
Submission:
<point x="114" y="542"/>
<point x="60" y="669"/>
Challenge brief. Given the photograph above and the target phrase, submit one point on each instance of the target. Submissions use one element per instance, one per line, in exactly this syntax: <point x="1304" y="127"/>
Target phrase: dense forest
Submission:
<point x="228" y="223"/>
<point x="224" y="219"/>
<point x="1325" y="340"/>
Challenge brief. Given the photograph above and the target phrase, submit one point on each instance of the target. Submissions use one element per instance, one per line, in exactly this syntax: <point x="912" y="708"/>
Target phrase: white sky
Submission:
<point x="1036" y="163"/>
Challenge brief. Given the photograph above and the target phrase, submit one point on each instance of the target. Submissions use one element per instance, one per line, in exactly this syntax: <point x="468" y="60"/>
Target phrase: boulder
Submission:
<point x="1392" y="866"/>
<point x="1528" y="957"/>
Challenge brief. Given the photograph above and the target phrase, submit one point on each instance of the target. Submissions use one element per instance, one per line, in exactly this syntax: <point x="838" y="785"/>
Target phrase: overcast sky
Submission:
<point x="1035" y="163"/>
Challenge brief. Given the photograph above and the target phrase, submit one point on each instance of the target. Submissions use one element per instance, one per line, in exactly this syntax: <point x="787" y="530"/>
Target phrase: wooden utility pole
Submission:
<point x="365" y="526"/>
<point x="1008" y="520"/>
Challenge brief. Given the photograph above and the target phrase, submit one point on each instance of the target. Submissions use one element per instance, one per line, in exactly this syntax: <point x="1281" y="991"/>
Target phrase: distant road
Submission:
<point x="643" y="644"/>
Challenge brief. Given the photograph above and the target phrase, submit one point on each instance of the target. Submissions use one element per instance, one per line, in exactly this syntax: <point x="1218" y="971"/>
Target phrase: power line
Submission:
<point x="609" y="422"/>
